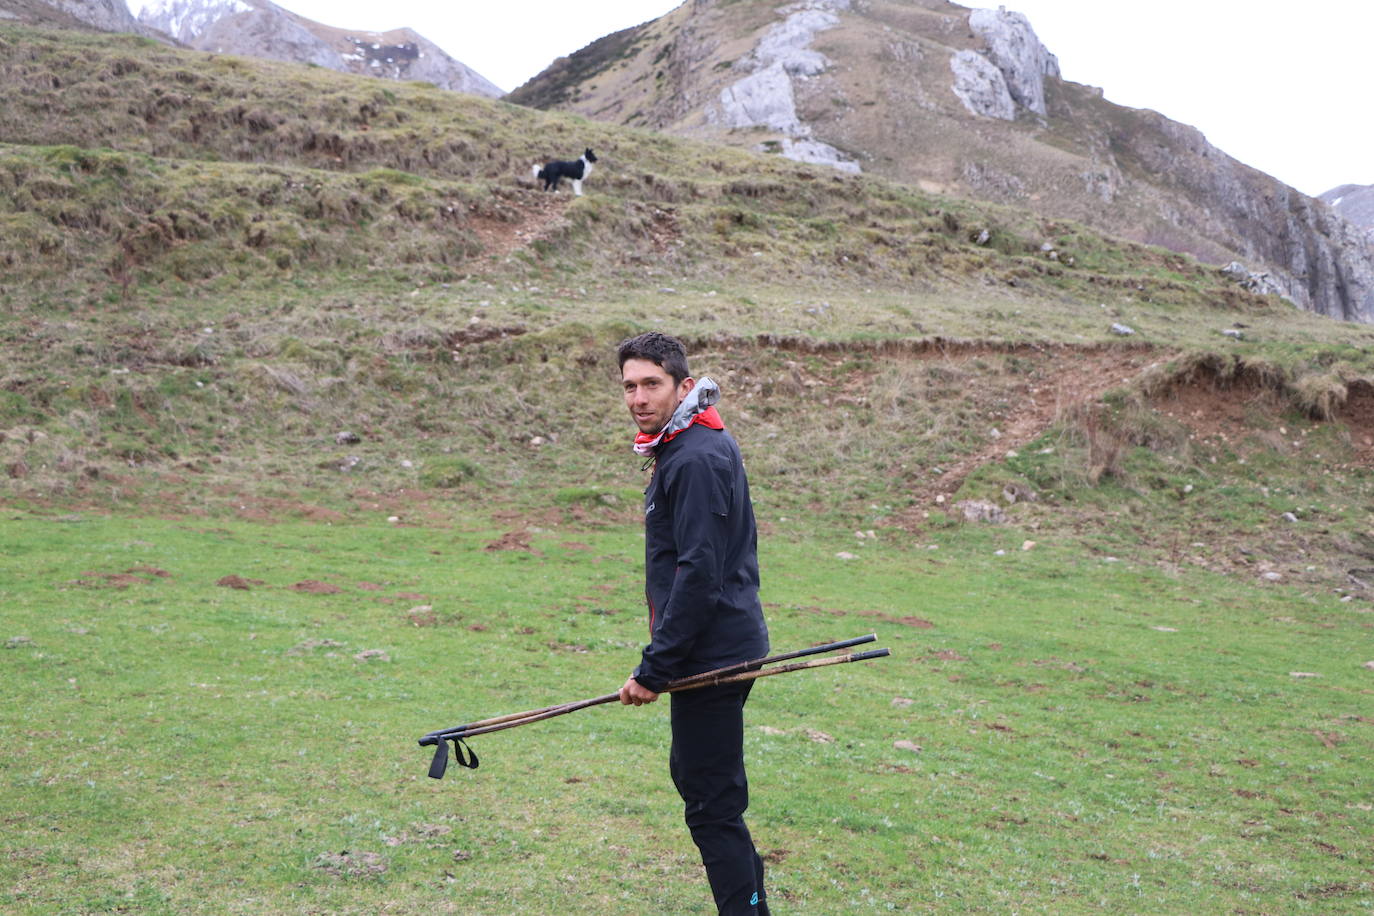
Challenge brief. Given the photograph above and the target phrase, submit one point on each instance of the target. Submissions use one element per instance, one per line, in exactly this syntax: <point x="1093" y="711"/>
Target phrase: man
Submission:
<point x="702" y="584"/>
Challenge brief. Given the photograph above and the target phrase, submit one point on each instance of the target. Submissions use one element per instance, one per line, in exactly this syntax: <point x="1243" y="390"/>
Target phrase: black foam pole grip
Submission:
<point x="439" y="764"/>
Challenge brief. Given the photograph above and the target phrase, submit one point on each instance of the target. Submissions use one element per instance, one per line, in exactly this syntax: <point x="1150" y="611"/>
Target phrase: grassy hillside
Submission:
<point x="297" y="327"/>
<point x="210" y="280"/>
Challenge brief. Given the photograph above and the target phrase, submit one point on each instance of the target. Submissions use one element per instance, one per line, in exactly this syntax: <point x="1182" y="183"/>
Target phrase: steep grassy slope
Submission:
<point x="214" y="269"/>
<point x="464" y="160"/>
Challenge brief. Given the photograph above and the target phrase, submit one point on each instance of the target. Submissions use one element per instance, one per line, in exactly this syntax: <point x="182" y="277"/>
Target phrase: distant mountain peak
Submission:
<point x="1355" y="202"/>
<point x="259" y="28"/>
<point x="186" y="20"/>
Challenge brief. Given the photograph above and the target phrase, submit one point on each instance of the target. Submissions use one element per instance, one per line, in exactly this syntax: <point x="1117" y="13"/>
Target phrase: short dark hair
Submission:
<point x="666" y="352"/>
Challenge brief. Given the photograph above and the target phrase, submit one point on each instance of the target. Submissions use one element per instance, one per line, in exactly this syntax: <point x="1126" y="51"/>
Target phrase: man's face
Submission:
<point x="651" y="394"/>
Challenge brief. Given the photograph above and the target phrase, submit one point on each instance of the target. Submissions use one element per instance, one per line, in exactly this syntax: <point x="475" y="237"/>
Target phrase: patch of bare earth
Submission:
<point x="520" y="222"/>
<point x="1230" y="411"/>
<point x="512" y="540"/>
<point x="1219" y="410"/>
<point x="1357" y="413"/>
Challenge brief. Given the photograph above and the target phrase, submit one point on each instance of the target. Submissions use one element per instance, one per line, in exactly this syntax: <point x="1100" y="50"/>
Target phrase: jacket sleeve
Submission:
<point x="699" y="494"/>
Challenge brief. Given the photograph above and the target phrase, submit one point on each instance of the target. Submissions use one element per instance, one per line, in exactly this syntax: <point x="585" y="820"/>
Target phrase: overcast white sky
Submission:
<point x="1281" y="87"/>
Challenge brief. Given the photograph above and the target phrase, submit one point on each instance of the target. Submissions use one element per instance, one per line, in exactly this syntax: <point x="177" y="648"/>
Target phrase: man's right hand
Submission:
<point x="636" y="694"/>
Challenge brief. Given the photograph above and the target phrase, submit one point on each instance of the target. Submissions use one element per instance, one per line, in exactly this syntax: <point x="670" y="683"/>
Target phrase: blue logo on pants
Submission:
<point x="754" y="900"/>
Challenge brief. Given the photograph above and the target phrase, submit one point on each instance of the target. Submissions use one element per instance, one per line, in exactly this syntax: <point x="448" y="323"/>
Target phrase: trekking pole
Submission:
<point x="545" y="712"/>
<point x="744" y="671"/>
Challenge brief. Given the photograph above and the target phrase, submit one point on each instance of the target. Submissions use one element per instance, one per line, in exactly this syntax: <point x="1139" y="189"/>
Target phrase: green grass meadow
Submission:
<point x="1077" y="734"/>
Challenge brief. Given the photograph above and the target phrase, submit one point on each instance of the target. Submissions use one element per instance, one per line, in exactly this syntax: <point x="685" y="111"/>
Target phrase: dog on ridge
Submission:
<point x="575" y="170"/>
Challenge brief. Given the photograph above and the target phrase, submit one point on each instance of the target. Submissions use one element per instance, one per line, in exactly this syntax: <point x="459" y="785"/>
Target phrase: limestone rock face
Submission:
<point x="1015" y="50"/>
<point x="981" y="86"/>
<point x="258" y="28"/>
<point x="766" y="97"/>
<point x="789" y="42"/>
<point x="1318" y="259"/>
<point x="762" y="99"/>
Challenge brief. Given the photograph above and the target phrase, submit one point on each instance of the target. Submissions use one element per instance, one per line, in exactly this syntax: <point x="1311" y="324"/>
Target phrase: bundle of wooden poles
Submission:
<point x="743" y="671"/>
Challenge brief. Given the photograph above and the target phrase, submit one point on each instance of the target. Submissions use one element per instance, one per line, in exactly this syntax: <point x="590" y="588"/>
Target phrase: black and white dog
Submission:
<point x="575" y="171"/>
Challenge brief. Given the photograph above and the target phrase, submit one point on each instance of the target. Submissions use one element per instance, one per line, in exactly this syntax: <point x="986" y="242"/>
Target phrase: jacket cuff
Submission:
<point x="648" y="681"/>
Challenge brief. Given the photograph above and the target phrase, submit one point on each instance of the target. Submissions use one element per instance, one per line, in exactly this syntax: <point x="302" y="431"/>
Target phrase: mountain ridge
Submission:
<point x="99" y="15"/>
<point x="923" y="93"/>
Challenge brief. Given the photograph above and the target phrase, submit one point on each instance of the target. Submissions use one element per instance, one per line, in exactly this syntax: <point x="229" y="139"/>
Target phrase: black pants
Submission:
<point x="707" y="763"/>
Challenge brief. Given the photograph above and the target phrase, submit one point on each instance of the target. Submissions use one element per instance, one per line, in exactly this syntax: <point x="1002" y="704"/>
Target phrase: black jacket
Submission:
<point x="701" y="563"/>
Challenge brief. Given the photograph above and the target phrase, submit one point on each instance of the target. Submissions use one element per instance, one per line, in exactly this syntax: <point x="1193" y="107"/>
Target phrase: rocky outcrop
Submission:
<point x="819" y="153"/>
<point x="981" y="86"/>
<point x="762" y="99"/>
<point x="258" y="28"/>
<point x="788" y="43"/>
<point x="766" y="97"/>
<point x="1318" y="259"/>
<point x="1014" y="49"/>
<point x="1261" y="283"/>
